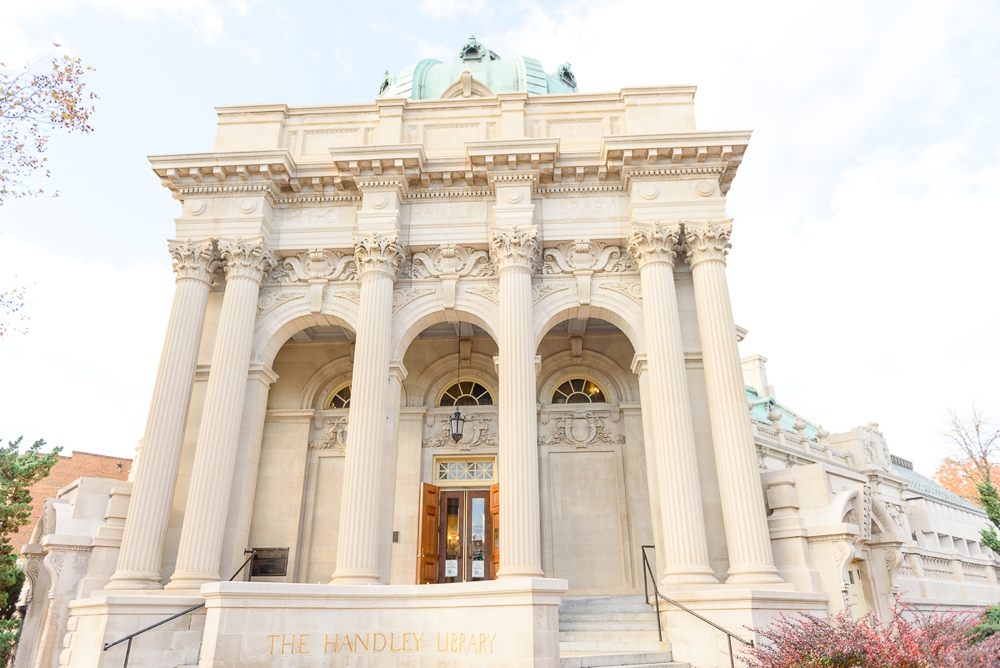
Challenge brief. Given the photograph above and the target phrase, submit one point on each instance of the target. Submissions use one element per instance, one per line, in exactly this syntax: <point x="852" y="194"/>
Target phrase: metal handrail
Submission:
<point x="128" y="638"/>
<point x="647" y="568"/>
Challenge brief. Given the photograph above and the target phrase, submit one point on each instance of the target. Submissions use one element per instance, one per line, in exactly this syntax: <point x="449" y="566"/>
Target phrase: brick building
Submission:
<point x="77" y="465"/>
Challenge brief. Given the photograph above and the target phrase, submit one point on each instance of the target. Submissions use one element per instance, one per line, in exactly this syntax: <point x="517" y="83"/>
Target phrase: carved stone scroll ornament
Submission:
<point x="318" y="267"/>
<point x="579" y="430"/>
<point x="581" y="258"/>
<point x="448" y="262"/>
<point x="843" y="554"/>
<point x="194" y="259"/>
<point x="514" y="247"/>
<point x="246" y="258"/>
<point x="707" y="241"/>
<point x="478" y="433"/>
<point x="659" y="242"/>
<point x="335" y="438"/>
<point x="270" y="299"/>
<point x="378" y="252"/>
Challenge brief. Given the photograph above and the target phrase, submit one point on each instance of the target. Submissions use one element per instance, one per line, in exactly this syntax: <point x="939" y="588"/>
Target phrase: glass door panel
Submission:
<point x="464" y="536"/>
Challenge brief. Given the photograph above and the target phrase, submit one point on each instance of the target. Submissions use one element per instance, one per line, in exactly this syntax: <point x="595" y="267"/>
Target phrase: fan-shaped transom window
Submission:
<point x="579" y="391"/>
<point x="341" y="398"/>
<point x="466" y="393"/>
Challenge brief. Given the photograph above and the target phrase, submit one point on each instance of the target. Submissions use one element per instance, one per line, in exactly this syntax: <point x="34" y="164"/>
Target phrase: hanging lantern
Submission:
<point x="457" y="425"/>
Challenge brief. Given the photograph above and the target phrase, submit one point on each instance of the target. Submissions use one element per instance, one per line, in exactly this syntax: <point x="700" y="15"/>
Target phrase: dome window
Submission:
<point x="340" y="399"/>
<point x="466" y="393"/>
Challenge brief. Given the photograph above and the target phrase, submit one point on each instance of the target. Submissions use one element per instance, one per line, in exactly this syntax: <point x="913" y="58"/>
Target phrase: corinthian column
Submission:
<point x="515" y="253"/>
<point x="684" y="549"/>
<point x="378" y="256"/>
<point x="156" y="472"/>
<point x="747" y="537"/>
<point x="246" y="262"/>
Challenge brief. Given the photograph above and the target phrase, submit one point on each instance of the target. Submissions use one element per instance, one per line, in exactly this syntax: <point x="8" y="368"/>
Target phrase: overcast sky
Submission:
<point x="864" y="256"/>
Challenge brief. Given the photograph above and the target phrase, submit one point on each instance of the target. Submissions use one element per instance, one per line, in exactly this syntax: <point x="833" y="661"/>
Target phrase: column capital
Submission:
<point x="707" y="241"/>
<point x="246" y="258"/>
<point x="514" y="247"/>
<point x="656" y="242"/>
<point x="378" y="251"/>
<point x="194" y="259"/>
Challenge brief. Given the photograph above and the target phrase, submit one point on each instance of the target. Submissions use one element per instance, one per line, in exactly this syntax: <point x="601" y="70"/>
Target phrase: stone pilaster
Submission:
<point x="685" y="548"/>
<point x="246" y="261"/>
<point x="156" y="471"/>
<point x="747" y="537"/>
<point x="515" y="253"/>
<point x="378" y="257"/>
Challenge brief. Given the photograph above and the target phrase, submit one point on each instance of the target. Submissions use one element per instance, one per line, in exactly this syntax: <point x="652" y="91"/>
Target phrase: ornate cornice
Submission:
<point x="194" y="259"/>
<point x="246" y="258"/>
<point x="378" y="252"/>
<point x="514" y="247"/>
<point x="659" y="242"/>
<point x="707" y="241"/>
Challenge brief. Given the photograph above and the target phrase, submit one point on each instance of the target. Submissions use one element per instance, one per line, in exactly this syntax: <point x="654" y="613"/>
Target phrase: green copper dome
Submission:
<point x="488" y="73"/>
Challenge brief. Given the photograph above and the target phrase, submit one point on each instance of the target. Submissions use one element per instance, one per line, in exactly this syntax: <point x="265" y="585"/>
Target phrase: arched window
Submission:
<point x="466" y="393"/>
<point x="341" y="398"/>
<point x="579" y="391"/>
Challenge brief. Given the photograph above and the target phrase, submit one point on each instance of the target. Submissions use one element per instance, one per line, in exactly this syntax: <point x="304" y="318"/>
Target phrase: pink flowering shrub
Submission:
<point x="908" y="639"/>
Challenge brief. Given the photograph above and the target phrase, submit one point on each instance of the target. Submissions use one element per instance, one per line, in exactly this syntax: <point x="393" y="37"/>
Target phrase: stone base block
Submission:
<point x="737" y="610"/>
<point x="509" y="622"/>
<point x="106" y="618"/>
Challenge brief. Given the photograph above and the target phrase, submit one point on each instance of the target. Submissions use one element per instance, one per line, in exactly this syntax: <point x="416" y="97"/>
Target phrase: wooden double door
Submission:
<point x="459" y="537"/>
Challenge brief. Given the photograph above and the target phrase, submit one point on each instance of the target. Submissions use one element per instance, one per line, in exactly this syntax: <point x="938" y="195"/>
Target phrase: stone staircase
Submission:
<point x="599" y="631"/>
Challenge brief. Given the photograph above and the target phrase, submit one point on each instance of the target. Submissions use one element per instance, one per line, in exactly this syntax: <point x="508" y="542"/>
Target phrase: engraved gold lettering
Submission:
<point x="288" y="643"/>
<point x="302" y="644"/>
<point x="359" y="643"/>
<point x="445" y="643"/>
<point x="461" y="642"/>
<point x="272" y="637"/>
<point x="482" y="642"/>
<point x="473" y="647"/>
<point x="375" y="639"/>
<point x="492" y="638"/>
<point x="392" y="643"/>
<point x="418" y="638"/>
<point x="453" y="645"/>
<point x="327" y="643"/>
<point x="347" y="641"/>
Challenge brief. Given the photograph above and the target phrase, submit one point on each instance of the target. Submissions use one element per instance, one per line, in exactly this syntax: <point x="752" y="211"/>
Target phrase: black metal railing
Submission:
<point x="647" y="569"/>
<point x="128" y="638"/>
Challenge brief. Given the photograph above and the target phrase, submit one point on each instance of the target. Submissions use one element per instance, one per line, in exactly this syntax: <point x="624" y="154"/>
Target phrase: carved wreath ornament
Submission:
<point x="580" y="430"/>
<point x="335" y="438"/>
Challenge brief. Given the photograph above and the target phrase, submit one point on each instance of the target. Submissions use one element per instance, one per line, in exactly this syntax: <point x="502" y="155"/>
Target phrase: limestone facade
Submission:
<point x="563" y="258"/>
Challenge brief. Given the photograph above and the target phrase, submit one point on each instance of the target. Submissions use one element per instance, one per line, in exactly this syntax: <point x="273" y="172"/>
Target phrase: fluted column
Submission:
<point x="156" y="471"/>
<point x="685" y="548"/>
<point x="378" y="256"/>
<point x="246" y="261"/>
<point x="515" y="253"/>
<point x="747" y="537"/>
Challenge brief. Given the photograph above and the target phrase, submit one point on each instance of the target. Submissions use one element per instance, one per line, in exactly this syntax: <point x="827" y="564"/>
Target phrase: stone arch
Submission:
<point x="278" y="325"/>
<point x="620" y="311"/>
<point x="421" y="313"/>
<point x="620" y="386"/>
<point x="436" y="377"/>
<point x="321" y="383"/>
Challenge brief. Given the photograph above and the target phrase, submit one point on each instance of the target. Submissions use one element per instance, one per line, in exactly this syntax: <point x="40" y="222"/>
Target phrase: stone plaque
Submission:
<point x="269" y="562"/>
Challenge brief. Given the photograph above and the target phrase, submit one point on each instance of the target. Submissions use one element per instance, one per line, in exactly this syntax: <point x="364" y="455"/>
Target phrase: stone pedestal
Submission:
<point x="156" y="471"/>
<point x="511" y="623"/>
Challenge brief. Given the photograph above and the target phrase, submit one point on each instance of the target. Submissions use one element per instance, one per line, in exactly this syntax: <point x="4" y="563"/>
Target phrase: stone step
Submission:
<point x="602" y="646"/>
<point x="644" y="617"/>
<point x="647" y="659"/>
<point x="607" y="603"/>
<point x="602" y="625"/>
<point x="609" y="636"/>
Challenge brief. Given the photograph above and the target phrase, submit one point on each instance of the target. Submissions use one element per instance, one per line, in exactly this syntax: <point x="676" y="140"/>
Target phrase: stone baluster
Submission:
<point x="378" y="257"/>
<point x="747" y="537"/>
<point x="515" y="253"/>
<point x="155" y="473"/>
<point x="685" y="547"/>
<point x="246" y="261"/>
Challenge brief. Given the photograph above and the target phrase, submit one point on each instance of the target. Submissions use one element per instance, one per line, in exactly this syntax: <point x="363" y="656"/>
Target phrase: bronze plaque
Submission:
<point x="269" y="562"/>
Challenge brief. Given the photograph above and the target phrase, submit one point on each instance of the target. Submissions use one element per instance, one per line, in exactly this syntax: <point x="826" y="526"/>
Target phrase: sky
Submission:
<point x="865" y="220"/>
